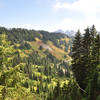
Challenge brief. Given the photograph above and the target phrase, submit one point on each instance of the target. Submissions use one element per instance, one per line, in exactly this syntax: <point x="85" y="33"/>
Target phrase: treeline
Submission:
<point x="19" y="35"/>
<point x="84" y="84"/>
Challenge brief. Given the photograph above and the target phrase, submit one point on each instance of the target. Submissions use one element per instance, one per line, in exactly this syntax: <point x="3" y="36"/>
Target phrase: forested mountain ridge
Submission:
<point x="25" y="39"/>
<point x="35" y="62"/>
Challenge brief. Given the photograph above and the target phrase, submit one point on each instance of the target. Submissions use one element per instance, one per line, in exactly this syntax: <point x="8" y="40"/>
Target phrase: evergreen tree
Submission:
<point x="93" y="33"/>
<point x="86" y="56"/>
<point x="77" y="62"/>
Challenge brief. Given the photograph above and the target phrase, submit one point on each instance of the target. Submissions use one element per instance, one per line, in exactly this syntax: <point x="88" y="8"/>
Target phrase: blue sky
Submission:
<point x="50" y="15"/>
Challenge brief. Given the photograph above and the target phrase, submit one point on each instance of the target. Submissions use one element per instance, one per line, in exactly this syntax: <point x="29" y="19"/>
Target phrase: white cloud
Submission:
<point x="71" y="24"/>
<point x="88" y="7"/>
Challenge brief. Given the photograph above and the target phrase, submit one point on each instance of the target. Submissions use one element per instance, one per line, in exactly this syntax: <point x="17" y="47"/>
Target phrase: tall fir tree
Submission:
<point x="86" y="44"/>
<point x="77" y="62"/>
<point x="93" y="34"/>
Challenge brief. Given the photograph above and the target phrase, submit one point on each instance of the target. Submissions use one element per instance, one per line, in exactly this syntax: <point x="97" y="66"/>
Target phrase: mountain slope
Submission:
<point x="37" y="39"/>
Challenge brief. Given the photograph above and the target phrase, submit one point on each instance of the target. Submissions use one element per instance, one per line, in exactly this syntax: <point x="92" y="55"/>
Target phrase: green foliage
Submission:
<point x="6" y="52"/>
<point x="86" y="55"/>
<point x="11" y="78"/>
